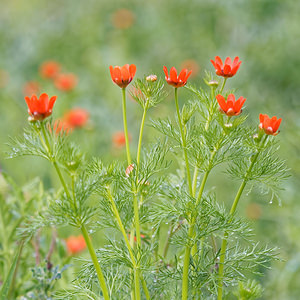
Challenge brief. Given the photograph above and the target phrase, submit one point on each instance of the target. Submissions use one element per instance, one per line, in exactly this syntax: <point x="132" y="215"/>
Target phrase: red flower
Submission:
<point x="61" y="126"/>
<point x="31" y="87"/>
<point x="230" y="107"/>
<point x="123" y="18"/>
<point x="75" y="244"/>
<point x="119" y="139"/>
<point x="41" y="108"/>
<point x="76" y="117"/>
<point x="177" y="81"/>
<point x="191" y="64"/>
<point x="270" y="126"/>
<point x="49" y="69"/>
<point x="66" y="82"/>
<point x="228" y="69"/>
<point x="122" y="76"/>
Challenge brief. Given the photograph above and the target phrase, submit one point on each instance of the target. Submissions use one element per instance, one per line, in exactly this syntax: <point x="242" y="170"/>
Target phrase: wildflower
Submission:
<point x="50" y="69"/>
<point x="122" y="76"/>
<point x="123" y="18"/>
<point x="228" y="69"/>
<point x="191" y="64"/>
<point x="75" y="244"/>
<point x="41" y="108"/>
<point x="76" y="117"/>
<point x="66" y="82"/>
<point x="31" y="87"/>
<point x="119" y="139"/>
<point x="230" y="107"/>
<point x="174" y="80"/>
<point x="269" y="125"/>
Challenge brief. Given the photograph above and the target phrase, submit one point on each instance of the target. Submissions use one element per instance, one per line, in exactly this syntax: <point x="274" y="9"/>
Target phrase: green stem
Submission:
<point x="183" y="144"/>
<point x="73" y="191"/>
<point x="195" y="177"/>
<point x="191" y="234"/>
<point x="232" y="211"/>
<point x="95" y="261"/>
<point x="138" y="157"/>
<point x="223" y="85"/>
<point x="125" y="125"/>
<point x="144" y="285"/>
<point x="121" y="226"/>
<point x="204" y="179"/>
<point x="83" y="229"/>
<point x="135" y="266"/>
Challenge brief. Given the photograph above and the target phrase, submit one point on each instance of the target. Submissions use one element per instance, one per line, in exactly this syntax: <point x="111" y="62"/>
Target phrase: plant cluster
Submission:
<point x="167" y="235"/>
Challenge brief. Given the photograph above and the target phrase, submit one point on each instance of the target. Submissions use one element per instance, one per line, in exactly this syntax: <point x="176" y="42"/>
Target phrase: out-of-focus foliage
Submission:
<point x="85" y="37"/>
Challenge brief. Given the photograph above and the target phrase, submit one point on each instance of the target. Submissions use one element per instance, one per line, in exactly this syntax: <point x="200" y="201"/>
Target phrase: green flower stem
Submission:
<point x="191" y="234"/>
<point x="171" y="232"/>
<point x="121" y="226"/>
<point x="196" y="171"/>
<point x="83" y="228"/>
<point x="183" y="144"/>
<point x="125" y="125"/>
<point x="223" y="85"/>
<point x="138" y="157"/>
<point x="95" y="261"/>
<point x="232" y="211"/>
<point x="144" y="285"/>
<point x="123" y="231"/>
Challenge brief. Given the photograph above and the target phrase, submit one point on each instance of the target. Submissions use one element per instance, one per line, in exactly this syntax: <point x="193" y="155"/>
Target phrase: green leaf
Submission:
<point x="9" y="278"/>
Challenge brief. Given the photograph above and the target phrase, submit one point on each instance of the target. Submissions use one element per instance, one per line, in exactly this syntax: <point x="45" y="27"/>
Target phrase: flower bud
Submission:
<point x="213" y="83"/>
<point x="151" y="78"/>
<point x="129" y="169"/>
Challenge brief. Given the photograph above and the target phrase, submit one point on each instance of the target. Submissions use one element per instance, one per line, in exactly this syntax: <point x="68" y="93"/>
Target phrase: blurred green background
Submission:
<point x="85" y="37"/>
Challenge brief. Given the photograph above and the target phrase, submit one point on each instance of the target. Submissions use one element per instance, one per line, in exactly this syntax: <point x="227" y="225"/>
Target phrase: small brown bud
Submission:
<point x="129" y="169"/>
<point x="213" y="83"/>
<point x="151" y="78"/>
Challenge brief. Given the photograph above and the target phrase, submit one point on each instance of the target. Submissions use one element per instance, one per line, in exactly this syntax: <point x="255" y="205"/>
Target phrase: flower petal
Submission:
<point x="227" y="70"/>
<point x="166" y="71"/>
<point x="276" y="125"/>
<point x="173" y="75"/>
<point x="218" y="61"/>
<point x="125" y="73"/>
<point x="182" y="75"/>
<point x="222" y="103"/>
<point x="132" y="70"/>
<point x="227" y="61"/>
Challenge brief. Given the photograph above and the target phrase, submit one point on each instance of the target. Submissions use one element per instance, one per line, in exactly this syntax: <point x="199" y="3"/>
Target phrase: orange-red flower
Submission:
<point x="177" y="81"/>
<point x="76" y="117"/>
<point x="49" y="69"/>
<point x="191" y="64"/>
<point x="230" y="107"/>
<point x="66" y="82"/>
<point x="122" y="76"/>
<point x="31" y="87"/>
<point x="123" y="18"/>
<point x="75" y="244"/>
<point x="40" y="108"/>
<point x="269" y="125"/>
<point x="119" y="139"/>
<point x="61" y="126"/>
<point x="229" y="69"/>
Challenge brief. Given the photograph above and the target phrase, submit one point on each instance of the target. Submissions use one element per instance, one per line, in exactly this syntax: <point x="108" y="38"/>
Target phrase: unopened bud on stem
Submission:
<point x="151" y="78"/>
